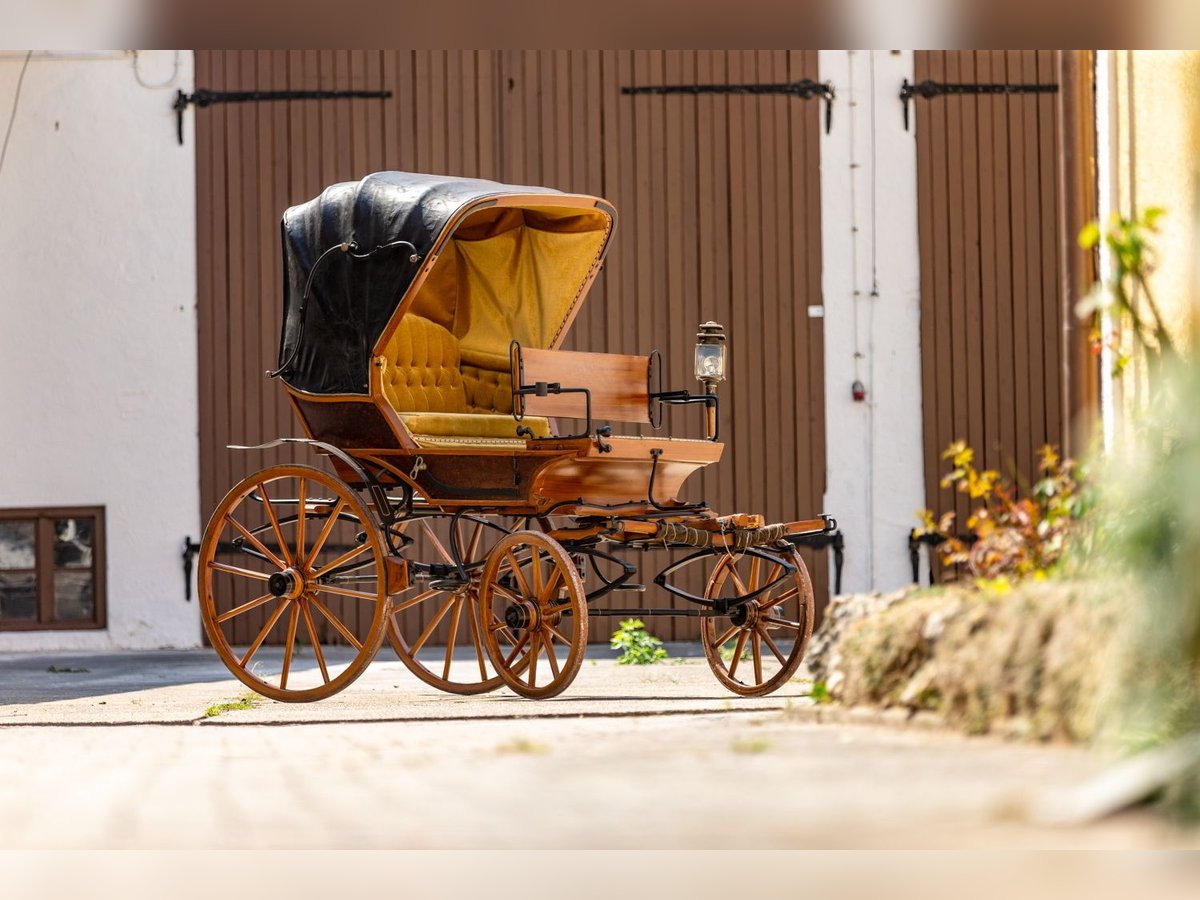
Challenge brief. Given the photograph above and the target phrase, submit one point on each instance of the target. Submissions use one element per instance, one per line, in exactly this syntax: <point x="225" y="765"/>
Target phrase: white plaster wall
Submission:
<point x="872" y="316"/>
<point x="98" y="393"/>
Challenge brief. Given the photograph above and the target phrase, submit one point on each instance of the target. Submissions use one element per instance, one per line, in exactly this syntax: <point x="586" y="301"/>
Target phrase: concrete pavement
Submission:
<point x="122" y="755"/>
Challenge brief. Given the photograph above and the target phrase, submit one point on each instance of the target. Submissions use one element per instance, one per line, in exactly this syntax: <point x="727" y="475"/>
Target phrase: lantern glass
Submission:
<point x="710" y="362"/>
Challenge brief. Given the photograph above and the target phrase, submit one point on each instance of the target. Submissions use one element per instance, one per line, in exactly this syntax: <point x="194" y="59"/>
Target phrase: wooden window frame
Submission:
<point x="44" y="517"/>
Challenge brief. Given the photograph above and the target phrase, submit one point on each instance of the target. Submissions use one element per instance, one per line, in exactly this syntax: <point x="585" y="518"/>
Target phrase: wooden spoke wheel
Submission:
<point x="434" y="625"/>
<point x="533" y="609"/>
<point x="757" y="648"/>
<point x="290" y="557"/>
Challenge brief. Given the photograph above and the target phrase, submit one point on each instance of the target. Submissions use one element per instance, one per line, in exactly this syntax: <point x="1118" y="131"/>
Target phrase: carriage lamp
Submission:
<point x="710" y="354"/>
<point x="710" y="367"/>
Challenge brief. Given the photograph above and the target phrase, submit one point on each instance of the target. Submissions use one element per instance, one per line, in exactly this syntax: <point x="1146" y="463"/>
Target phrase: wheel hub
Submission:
<point x="745" y="614"/>
<point x="287" y="584"/>
<point x="521" y="615"/>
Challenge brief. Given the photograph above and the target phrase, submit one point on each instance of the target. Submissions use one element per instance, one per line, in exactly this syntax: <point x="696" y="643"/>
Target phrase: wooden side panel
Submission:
<point x="991" y="306"/>
<point x="718" y="218"/>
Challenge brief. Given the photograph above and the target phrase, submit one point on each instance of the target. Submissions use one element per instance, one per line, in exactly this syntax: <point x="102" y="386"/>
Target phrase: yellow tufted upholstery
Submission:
<point x="423" y="372"/>
<point x="425" y="384"/>
<point x="487" y="390"/>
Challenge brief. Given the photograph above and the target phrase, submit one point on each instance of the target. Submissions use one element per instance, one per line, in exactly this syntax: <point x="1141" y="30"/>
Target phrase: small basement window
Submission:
<point x="51" y="568"/>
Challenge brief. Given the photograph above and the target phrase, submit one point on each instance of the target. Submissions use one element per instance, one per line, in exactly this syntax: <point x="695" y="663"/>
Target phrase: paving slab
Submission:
<point x="177" y="687"/>
<point x="115" y="751"/>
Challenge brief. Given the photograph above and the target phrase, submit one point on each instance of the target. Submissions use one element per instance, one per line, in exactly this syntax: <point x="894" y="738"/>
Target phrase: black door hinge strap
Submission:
<point x="805" y="89"/>
<point x="203" y="98"/>
<point x="927" y="90"/>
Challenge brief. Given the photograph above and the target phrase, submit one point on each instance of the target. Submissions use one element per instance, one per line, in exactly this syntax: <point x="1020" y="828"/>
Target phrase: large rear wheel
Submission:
<point x="291" y="558"/>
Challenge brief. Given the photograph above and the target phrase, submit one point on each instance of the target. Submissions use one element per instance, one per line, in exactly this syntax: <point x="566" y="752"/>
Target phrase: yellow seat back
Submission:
<point x="423" y="373"/>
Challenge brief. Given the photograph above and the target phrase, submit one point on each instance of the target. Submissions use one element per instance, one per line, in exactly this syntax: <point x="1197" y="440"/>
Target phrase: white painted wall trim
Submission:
<point x="871" y="294"/>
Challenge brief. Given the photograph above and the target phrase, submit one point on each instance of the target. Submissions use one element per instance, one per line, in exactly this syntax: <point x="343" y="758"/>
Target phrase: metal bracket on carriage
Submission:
<point x="723" y="605"/>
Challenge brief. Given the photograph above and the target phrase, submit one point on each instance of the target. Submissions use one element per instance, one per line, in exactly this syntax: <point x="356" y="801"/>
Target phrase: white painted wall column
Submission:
<point x="871" y="295"/>
<point x="98" y="379"/>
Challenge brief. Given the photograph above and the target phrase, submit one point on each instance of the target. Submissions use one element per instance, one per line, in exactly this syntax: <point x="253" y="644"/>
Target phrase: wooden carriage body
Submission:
<point x="499" y="276"/>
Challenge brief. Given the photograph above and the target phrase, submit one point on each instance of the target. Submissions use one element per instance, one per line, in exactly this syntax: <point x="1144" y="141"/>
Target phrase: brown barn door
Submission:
<point x="991" y="244"/>
<point x="718" y="218"/>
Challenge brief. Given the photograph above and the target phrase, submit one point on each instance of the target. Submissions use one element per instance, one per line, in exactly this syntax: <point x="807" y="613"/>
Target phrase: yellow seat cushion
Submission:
<point x="424" y="383"/>
<point x="470" y="425"/>
<point x="423" y="373"/>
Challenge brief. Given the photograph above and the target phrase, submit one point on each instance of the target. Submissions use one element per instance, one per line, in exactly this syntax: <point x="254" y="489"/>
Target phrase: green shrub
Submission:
<point x="638" y="648"/>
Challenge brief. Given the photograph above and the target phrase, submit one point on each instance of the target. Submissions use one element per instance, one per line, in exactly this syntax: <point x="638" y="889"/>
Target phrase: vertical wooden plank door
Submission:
<point x="992" y="307"/>
<point x="718" y="218"/>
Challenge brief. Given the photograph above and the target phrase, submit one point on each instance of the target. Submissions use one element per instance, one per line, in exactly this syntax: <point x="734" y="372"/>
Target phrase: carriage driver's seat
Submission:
<point x="424" y="383"/>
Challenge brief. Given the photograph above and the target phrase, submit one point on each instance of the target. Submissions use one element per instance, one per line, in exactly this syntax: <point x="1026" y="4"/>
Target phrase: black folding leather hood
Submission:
<point x="326" y="342"/>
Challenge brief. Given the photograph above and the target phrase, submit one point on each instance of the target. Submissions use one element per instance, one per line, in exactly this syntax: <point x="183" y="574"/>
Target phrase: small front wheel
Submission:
<point x="532" y="605"/>
<point x="759" y="646"/>
<point x="291" y="557"/>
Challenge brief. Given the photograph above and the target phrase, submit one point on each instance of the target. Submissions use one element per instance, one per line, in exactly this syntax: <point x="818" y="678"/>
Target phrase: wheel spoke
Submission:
<point x="234" y="570"/>
<point x="535" y="564"/>
<point x="555" y="633"/>
<point x="262" y="635"/>
<point x="474" y="626"/>
<point x="413" y="601"/>
<point x="755" y="565"/>
<point x="756" y="650"/>
<point x="326" y="529"/>
<point x="517" y="647"/>
<point x="473" y="548"/>
<point x="300" y="554"/>
<point x="501" y="589"/>
<point x="249" y="604"/>
<point x="270" y="508"/>
<point x="335" y="622"/>
<point x="344" y="592"/>
<point x="551" y="583"/>
<point x="737" y="653"/>
<point x="782" y="623"/>
<point x="454" y="619"/>
<point x="560" y="608"/>
<point x="534" y="641"/>
<point x="518" y="574"/>
<point x="776" y="572"/>
<point x="774" y="649"/>
<point x="548" y="644"/>
<point x="501" y="628"/>
<point x="433" y="623"/>
<point x="258" y="545"/>
<point x="787" y="595"/>
<point x="437" y="544"/>
<point x="343" y="559"/>
<point x="733" y="573"/>
<point x="316" y="641"/>
<point x="730" y="632"/>
<point x="289" y="645"/>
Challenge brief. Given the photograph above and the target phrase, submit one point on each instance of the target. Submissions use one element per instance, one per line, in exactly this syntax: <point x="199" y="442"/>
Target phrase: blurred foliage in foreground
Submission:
<point x="1147" y="525"/>
<point x="1132" y="532"/>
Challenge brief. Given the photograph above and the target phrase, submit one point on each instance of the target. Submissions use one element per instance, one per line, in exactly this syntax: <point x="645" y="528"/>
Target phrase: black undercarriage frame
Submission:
<point x="393" y="512"/>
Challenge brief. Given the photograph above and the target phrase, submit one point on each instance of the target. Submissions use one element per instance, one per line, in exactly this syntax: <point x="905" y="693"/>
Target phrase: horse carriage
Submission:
<point x="479" y="501"/>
